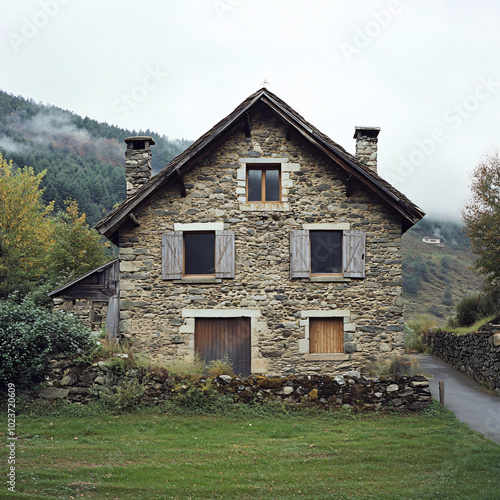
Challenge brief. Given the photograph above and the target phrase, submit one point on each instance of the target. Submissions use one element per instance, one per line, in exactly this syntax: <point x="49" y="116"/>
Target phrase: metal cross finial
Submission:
<point x="265" y="83"/>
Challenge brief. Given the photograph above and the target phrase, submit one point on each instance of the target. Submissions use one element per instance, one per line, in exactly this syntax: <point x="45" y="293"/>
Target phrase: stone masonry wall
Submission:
<point x="158" y="315"/>
<point x="137" y="167"/>
<point x="83" y="383"/>
<point x="475" y="354"/>
<point x="90" y="313"/>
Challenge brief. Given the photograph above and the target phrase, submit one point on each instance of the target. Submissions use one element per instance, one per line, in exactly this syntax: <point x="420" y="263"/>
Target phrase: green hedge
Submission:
<point x="30" y="335"/>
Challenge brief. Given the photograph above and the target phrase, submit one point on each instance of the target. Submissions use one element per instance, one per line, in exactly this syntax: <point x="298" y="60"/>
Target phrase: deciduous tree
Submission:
<point x="35" y="245"/>
<point x="482" y="216"/>
<point x="76" y="247"/>
<point x="26" y="233"/>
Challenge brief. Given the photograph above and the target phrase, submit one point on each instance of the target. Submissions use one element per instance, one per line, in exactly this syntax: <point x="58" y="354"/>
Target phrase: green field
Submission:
<point x="131" y="456"/>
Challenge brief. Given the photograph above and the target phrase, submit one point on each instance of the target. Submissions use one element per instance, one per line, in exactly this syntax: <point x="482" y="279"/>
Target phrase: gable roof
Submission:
<point x="172" y="173"/>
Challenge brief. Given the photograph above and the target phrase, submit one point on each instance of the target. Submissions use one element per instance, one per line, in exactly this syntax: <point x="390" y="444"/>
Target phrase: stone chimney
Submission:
<point x="137" y="162"/>
<point x="366" y="145"/>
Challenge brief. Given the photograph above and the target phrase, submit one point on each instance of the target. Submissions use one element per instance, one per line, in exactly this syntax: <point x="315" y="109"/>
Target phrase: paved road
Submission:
<point x="469" y="401"/>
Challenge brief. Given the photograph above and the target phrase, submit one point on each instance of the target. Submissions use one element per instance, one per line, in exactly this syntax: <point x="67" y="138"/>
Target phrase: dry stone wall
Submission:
<point x="475" y="354"/>
<point x="158" y="315"/>
<point x="84" y="383"/>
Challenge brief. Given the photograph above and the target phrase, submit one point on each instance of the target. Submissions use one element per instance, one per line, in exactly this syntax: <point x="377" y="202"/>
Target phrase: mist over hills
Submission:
<point x="84" y="158"/>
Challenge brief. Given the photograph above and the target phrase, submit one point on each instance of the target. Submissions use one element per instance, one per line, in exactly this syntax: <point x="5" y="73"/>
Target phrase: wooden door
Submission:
<point x="218" y="338"/>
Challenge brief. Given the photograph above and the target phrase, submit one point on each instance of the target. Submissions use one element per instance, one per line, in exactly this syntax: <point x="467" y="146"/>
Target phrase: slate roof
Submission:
<point x="170" y="174"/>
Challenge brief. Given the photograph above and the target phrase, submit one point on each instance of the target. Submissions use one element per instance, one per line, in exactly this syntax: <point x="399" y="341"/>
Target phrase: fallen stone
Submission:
<point x="53" y="393"/>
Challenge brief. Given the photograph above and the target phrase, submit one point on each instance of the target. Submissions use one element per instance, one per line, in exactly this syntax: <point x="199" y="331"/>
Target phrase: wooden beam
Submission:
<point x="246" y="123"/>
<point x="180" y="179"/>
<point x="348" y="186"/>
<point x="134" y="220"/>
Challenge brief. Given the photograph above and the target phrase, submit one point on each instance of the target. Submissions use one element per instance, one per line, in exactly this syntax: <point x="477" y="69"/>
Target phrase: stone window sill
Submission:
<point x="265" y="207"/>
<point x="199" y="279"/>
<point x="338" y="356"/>
<point x="329" y="279"/>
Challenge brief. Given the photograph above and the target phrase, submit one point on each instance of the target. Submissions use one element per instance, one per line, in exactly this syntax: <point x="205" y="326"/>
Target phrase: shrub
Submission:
<point x="411" y="283"/>
<point x="417" y="332"/>
<point x="489" y="301"/>
<point x="447" y="297"/>
<point x="30" y="335"/>
<point x="127" y="397"/>
<point x="182" y="367"/>
<point x="394" y="366"/>
<point x="468" y="310"/>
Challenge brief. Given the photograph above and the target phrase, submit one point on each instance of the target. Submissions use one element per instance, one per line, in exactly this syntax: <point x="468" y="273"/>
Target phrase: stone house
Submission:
<point x="264" y="242"/>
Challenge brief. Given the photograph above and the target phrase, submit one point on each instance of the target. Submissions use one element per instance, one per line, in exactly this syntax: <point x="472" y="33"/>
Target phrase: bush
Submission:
<point x="394" y="366"/>
<point x="468" y="310"/>
<point x="411" y="284"/>
<point x="417" y="332"/>
<point x="489" y="300"/>
<point x="30" y="335"/>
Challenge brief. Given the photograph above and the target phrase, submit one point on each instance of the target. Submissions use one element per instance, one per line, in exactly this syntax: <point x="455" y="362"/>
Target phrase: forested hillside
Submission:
<point x="84" y="158"/>
<point x="436" y="277"/>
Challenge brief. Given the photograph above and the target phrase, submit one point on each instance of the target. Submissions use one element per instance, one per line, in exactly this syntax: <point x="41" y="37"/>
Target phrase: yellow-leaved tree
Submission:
<point x="36" y="245"/>
<point x="26" y="232"/>
<point x="76" y="248"/>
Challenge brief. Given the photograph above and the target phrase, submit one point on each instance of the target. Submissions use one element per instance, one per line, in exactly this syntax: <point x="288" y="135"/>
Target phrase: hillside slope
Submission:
<point x="436" y="277"/>
<point x="84" y="159"/>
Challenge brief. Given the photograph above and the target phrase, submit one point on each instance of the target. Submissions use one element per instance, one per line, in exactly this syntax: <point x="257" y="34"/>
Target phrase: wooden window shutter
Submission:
<point x="224" y="254"/>
<point x="300" y="253"/>
<point x="326" y="335"/>
<point x="354" y="254"/>
<point x="172" y="253"/>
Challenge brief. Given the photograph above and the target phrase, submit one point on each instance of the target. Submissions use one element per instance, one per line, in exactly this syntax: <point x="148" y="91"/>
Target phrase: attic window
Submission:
<point x="263" y="183"/>
<point x="138" y="144"/>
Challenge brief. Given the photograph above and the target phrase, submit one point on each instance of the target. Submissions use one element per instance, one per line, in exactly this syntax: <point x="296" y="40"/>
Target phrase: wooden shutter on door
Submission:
<point x="113" y="314"/>
<point x="353" y="245"/>
<point x="300" y="253"/>
<point x="326" y="335"/>
<point x="224" y="254"/>
<point x="172" y="255"/>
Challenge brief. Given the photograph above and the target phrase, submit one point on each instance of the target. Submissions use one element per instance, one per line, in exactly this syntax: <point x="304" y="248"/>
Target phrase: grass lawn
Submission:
<point x="169" y="456"/>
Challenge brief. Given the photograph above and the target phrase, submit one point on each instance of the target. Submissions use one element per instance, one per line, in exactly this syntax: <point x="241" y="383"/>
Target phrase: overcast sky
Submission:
<point x="426" y="71"/>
